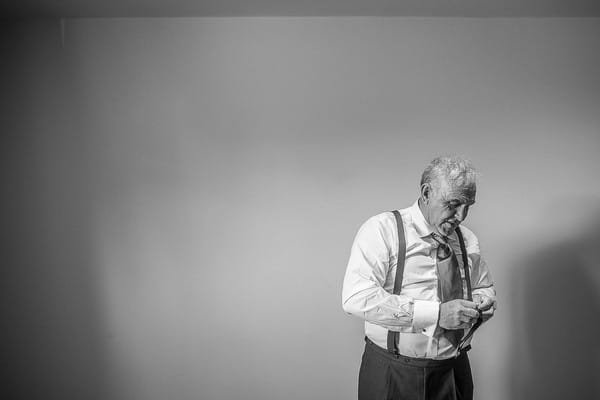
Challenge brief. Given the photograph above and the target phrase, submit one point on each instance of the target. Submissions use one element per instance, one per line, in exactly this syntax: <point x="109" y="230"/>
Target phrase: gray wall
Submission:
<point x="182" y="195"/>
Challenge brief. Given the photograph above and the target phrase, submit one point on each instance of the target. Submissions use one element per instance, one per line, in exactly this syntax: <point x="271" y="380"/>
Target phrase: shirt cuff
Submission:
<point x="425" y="316"/>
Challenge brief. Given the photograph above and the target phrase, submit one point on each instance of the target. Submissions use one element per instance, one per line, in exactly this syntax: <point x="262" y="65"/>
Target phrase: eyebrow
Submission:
<point x="460" y="201"/>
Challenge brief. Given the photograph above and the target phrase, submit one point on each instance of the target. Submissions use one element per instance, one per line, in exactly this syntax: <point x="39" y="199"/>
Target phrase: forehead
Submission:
<point x="457" y="193"/>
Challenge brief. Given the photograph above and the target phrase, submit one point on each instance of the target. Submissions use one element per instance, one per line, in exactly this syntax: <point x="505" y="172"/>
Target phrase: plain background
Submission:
<point x="181" y="196"/>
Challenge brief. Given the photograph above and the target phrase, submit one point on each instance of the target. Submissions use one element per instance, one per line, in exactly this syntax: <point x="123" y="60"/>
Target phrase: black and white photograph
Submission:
<point x="300" y="200"/>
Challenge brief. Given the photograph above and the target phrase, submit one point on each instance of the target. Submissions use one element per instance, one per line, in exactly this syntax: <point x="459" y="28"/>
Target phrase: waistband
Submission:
<point x="416" y="362"/>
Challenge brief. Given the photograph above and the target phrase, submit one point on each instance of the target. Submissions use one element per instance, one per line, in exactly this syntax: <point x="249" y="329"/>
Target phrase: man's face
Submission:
<point x="444" y="206"/>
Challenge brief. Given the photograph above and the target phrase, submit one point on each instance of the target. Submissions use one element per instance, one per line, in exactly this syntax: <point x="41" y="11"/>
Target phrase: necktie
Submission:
<point x="450" y="282"/>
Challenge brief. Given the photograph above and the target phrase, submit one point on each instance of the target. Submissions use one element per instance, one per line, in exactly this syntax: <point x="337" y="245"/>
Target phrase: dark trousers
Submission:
<point x="385" y="376"/>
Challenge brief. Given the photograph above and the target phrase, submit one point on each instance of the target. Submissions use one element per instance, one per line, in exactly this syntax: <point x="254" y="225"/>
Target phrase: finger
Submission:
<point x="460" y="325"/>
<point x="465" y="325"/>
<point x="468" y="304"/>
<point x="470" y="313"/>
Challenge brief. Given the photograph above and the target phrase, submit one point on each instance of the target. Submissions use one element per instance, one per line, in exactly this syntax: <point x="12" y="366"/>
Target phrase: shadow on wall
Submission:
<point x="555" y="347"/>
<point x="54" y="337"/>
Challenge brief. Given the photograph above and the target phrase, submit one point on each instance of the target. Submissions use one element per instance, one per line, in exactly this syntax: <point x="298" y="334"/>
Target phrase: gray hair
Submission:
<point x="457" y="171"/>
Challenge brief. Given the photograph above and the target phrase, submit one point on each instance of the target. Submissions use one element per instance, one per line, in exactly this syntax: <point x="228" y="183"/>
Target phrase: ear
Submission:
<point x="425" y="193"/>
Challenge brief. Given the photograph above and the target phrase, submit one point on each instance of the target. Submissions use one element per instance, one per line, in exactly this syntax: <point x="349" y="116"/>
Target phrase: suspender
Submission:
<point x="470" y="332"/>
<point x="393" y="337"/>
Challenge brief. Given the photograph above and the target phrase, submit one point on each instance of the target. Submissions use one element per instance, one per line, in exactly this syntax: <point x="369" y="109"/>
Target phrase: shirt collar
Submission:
<point x="421" y="225"/>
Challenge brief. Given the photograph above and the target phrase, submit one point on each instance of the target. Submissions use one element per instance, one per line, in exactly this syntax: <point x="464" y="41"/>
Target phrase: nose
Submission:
<point x="461" y="212"/>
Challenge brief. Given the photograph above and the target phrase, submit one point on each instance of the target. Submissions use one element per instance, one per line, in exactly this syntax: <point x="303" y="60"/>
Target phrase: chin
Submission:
<point x="447" y="231"/>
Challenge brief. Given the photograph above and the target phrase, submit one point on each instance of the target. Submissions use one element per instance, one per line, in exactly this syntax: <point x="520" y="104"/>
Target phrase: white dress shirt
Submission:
<point x="369" y="282"/>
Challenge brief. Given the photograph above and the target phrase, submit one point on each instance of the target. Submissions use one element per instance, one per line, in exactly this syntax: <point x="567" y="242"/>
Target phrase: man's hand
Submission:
<point x="485" y="304"/>
<point x="458" y="314"/>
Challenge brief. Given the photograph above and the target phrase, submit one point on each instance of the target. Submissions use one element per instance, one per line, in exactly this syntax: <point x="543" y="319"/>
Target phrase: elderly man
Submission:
<point x="418" y="280"/>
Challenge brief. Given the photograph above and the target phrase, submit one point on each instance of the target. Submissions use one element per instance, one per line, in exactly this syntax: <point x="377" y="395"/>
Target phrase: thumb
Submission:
<point x="486" y="303"/>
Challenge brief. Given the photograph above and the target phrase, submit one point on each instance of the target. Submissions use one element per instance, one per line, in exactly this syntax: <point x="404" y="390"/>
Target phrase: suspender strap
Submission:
<point x="465" y="259"/>
<point x="393" y="337"/>
<point x="461" y="345"/>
